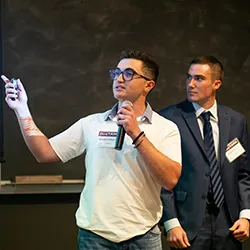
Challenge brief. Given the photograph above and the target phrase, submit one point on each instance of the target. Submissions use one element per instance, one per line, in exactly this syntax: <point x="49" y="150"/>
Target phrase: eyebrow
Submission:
<point x="202" y="76"/>
<point x="135" y="71"/>
<point x="126" y="69"/>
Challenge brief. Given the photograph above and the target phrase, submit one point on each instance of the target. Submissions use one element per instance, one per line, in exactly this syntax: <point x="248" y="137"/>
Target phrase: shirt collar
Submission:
<point x="198" y="110"/>
<point x="147" y="115"/>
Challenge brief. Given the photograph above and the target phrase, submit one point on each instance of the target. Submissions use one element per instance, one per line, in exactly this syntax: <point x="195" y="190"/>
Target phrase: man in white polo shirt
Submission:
<point x="120" y="204"/>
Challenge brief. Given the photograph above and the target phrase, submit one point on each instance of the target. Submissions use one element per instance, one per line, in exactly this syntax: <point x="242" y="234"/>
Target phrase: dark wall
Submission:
<point x="38" y="222"/>
<point x="62" y="51"/>
<point x="42" y="222"/>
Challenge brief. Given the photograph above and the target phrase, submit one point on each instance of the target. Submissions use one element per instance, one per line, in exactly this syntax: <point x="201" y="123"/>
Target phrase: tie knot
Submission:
<point x="206" y="116"/>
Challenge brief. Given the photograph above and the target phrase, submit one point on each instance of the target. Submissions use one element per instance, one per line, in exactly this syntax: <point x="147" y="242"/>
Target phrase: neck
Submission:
<point x="138" y="106"/>
<point x="207" y="104"/>
<point x="139" y="109"/>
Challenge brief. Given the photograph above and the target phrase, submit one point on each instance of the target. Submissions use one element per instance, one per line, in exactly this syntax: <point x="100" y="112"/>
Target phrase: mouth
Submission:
<point x="119" y="87"/>
<point x="191" y="92"/>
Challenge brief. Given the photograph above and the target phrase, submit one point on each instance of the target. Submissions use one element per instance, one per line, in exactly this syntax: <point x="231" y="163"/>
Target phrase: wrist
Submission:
<point x="134" y="134"/>
<point x="23" y="112"/>
<point x="138" y="139"/>
<point x="243" y="218"/>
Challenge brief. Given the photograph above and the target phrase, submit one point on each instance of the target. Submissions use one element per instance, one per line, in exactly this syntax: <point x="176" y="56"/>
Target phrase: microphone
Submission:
<point x="121" y="131"/>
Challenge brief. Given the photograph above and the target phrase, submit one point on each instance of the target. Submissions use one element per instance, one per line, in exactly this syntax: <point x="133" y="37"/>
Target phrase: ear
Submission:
<point x="149" y="85"/>
<point x="217" y="84"/>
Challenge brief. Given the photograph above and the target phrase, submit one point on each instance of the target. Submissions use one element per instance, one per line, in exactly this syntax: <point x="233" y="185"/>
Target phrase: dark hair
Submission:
<point x="149" y="67"/>
<point x="214" y="64"/>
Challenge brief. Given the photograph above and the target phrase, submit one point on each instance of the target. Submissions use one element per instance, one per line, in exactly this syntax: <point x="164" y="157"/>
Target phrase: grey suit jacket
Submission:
<point x="188" y="199"/>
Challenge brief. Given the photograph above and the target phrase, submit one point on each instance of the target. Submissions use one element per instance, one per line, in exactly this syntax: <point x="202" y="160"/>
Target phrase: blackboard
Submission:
<point x="62" y="51"/>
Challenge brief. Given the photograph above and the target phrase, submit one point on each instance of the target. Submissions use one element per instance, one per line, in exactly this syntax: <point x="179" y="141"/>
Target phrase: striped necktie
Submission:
<point x="215" y="177"/>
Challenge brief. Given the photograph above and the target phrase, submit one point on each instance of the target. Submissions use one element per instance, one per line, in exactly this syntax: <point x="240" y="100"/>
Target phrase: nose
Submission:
<point x="119" y="78"/>
<point x="190" y="83"/>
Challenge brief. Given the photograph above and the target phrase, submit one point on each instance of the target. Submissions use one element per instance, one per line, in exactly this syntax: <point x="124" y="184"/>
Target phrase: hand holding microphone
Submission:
<point x="127" y="123"/>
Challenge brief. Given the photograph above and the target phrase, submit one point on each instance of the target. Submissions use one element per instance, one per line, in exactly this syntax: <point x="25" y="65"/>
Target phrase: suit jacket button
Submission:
<point x="206" y="174"/>
<point x="204" y="196"/>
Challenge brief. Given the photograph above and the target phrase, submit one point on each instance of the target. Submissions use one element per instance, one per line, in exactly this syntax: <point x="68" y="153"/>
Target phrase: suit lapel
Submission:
<point x="224" y="128"/>
<point x="191" y="120"/>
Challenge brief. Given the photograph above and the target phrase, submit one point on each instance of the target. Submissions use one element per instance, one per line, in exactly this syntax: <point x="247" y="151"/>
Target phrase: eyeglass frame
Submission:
<point x="122" y="72"/>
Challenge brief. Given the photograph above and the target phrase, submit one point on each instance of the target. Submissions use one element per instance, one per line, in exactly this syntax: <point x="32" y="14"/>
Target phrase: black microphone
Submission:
<point x="121" y="131"/>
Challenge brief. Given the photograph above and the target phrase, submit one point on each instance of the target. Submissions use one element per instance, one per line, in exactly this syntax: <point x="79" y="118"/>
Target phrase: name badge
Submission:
<point x="106" y="139"/>
<point x="234" y="150"/>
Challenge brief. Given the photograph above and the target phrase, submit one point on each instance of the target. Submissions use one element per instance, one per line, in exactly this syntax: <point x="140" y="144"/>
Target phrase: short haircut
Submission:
<point x="150" y="67"/>
<point x="214" y="64"/>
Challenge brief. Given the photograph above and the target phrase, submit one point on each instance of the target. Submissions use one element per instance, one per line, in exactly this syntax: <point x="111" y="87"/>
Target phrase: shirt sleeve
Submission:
<point x="70" y="143"/>
<point x="169" y="224"/>
<point x="172" y="143"/>
<point x="245" y="213"/>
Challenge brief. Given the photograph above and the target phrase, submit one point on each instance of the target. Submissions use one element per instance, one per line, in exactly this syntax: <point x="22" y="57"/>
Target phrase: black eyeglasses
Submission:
<point x="127" y="74"/>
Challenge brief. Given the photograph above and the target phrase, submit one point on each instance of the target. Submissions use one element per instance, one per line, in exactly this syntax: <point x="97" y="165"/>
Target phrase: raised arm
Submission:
<point x="36" y="141"/>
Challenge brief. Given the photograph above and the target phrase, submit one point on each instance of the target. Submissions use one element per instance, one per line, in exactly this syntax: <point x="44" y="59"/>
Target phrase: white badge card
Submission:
<point x="106" y="139"/>
<point x="234" y="150"/>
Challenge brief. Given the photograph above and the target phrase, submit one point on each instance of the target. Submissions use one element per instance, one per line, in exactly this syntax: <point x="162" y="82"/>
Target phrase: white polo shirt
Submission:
<point x="120" y="198"/>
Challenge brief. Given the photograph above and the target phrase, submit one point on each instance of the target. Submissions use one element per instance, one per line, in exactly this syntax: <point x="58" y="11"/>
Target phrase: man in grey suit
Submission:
<point x="210" y="206"/>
